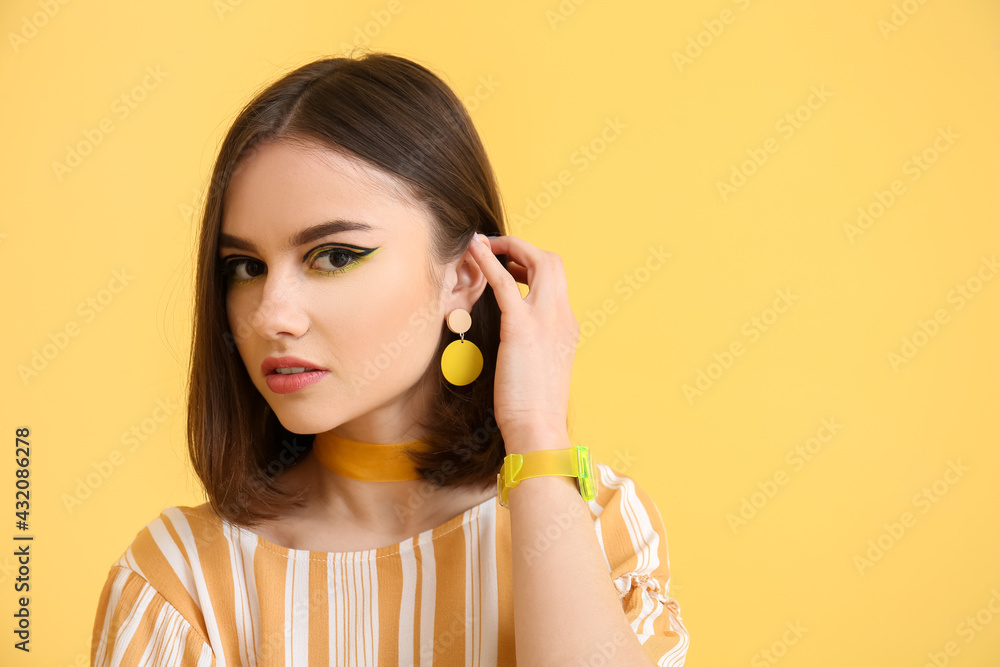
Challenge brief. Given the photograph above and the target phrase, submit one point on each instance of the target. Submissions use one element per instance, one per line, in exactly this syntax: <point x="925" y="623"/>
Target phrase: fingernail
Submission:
<point x="481" y="239"/>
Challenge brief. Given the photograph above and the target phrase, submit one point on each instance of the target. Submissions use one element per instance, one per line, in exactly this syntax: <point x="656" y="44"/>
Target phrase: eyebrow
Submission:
<point x="307" y="235"/>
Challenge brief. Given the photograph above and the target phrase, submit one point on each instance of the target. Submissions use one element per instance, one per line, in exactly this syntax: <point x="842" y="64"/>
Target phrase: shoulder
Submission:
<point x="133" y="618"/>
<point x="630" y="528"/>
<point x="172" y="538"/>
<point x="614" y="487"/>
<point x="633" y="540"/>
<point x="151" y="600"/>
<point x="623" y="495"/>
<point x="176" y="552"/>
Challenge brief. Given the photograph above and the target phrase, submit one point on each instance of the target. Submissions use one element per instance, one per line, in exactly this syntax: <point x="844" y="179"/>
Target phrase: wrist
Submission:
<point x="533" y="439"/>
<point x="574" y="464"/>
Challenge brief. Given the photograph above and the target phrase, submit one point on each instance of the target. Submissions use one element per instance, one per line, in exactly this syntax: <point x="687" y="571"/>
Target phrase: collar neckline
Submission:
<point x="367" y="461"/>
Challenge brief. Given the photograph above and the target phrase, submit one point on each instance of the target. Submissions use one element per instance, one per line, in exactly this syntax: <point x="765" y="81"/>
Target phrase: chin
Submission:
<point x="303" y="419"/>
<point x="300" y="426"/>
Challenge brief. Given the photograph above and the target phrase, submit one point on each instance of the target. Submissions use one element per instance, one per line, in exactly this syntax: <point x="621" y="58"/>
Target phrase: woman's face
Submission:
<point x="328" y="262"/>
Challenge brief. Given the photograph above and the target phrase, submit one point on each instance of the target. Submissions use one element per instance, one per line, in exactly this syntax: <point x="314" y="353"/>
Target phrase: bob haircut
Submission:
<point x="400" y="117"/>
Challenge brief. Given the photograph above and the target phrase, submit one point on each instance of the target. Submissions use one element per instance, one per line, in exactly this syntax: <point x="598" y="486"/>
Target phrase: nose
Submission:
<point x="280" y="310"/>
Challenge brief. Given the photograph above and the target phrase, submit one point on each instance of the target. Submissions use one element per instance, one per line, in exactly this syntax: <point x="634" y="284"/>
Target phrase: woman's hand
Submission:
<point x="538" y="338"/>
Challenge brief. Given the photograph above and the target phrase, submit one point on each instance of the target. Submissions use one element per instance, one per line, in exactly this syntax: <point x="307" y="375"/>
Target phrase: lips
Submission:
<point x="267" y="368"/>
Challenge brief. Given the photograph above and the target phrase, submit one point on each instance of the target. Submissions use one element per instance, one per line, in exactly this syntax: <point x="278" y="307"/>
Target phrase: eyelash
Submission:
<point x="230" y="264"/>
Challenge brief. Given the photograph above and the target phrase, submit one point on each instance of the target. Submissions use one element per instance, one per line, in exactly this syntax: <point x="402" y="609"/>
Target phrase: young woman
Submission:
<point x="362" y="363"/>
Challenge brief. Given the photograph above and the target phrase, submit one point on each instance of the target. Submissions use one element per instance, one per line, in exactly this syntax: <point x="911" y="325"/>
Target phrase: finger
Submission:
<point x="536" y="262"/>
<point x="519" y="272"/>
<point x="503" y="283"/>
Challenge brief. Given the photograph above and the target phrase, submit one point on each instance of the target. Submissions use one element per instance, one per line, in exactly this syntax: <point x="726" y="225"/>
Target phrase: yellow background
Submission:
<point x="543" y="80"/>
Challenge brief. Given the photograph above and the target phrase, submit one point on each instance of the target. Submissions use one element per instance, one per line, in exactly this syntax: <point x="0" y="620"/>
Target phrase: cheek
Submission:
<point x="235" y="338"/>
<point x="236" y="321"/>
<point x="240" y="333"/>
<point x="395" y="327"/>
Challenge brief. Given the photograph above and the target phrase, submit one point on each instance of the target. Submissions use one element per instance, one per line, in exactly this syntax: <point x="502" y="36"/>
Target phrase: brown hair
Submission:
<point x="400" y="117"/>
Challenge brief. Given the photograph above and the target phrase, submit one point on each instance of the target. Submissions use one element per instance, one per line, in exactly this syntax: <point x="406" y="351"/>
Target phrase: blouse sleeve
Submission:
<point x="136" y="625"/>
<point x="634" y="542"/>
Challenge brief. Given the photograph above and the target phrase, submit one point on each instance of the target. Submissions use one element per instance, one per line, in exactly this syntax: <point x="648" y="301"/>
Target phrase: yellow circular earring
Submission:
<point x="461" y="361"/>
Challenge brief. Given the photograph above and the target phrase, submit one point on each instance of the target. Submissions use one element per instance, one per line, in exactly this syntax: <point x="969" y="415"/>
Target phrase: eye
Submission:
<point x="327" y="260"/>
<point x="239" y="270"/>
<point x="337" y="259"/>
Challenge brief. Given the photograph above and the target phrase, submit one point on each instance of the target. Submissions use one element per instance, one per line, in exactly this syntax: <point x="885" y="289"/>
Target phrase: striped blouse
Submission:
<point x="195" y="589"/>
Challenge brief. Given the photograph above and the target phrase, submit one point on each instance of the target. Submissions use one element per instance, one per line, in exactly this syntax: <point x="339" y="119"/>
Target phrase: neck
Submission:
<point x="373" y="513"/>
<point x="366" y="461"/>
<point x="373" y="489"/>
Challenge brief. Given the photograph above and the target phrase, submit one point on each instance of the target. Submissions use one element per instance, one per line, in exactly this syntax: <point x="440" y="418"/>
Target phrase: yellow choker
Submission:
<point x="366" y="461"/>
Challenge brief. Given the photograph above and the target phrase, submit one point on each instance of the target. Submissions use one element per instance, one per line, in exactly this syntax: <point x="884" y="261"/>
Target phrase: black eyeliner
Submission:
<point x="362" y="250"/>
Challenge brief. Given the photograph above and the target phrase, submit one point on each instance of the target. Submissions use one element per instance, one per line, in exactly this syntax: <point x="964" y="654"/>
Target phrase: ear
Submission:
<point x="470" y="282"/>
